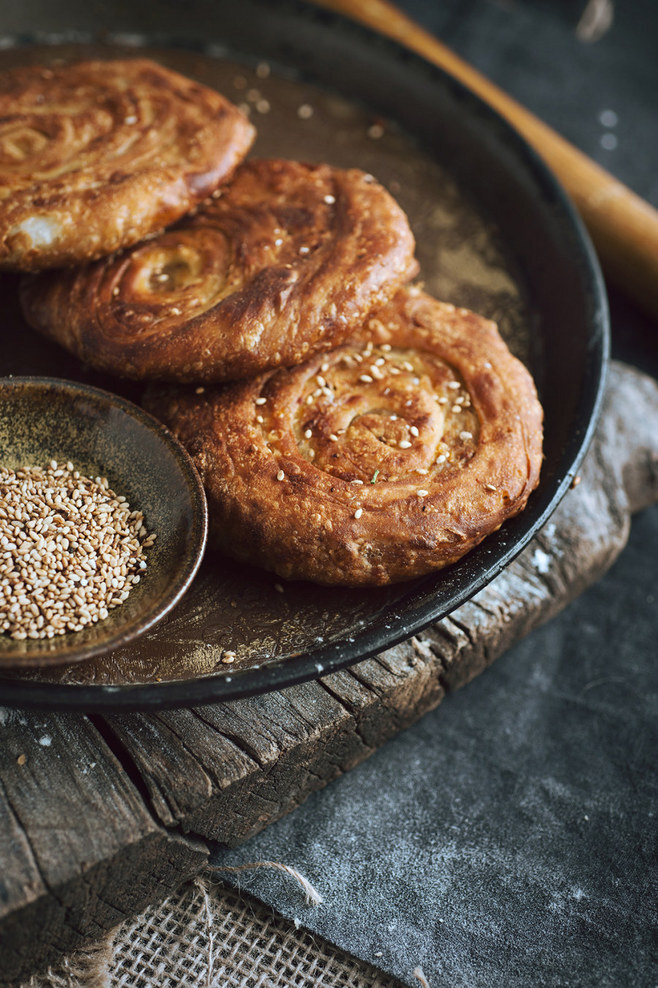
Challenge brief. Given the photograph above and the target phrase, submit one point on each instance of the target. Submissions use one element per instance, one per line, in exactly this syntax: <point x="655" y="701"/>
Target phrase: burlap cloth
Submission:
<point x="208" y="935"/>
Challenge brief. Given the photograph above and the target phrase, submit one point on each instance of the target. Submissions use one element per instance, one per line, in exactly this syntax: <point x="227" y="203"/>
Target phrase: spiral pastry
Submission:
<point x="98" y="155"/>
<point x="284" y="262"/>
<point x="382" y="460"/>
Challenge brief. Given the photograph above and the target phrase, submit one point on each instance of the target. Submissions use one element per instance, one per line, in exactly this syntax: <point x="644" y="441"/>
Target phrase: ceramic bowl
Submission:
<point x="42" y="419"/>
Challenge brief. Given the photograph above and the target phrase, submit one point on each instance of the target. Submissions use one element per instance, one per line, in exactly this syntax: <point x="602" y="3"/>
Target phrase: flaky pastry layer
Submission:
<point x="385" y="459"/>
<point x="98" y="155"/>
<point x="283" y="263"/>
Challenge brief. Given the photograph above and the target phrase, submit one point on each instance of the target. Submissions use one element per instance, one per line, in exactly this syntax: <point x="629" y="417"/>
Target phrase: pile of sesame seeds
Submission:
<point x="70" y="550"/>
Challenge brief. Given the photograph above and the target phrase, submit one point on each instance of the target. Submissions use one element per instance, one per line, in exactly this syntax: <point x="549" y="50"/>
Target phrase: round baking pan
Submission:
<point x="495" y="232"/>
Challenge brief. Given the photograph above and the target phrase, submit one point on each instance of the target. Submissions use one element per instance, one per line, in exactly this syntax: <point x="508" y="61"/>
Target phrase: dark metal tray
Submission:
<point x="495" y="232"/>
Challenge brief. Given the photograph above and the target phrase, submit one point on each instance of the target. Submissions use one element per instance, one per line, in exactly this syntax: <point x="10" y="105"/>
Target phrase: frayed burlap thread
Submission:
<point x="210" y="935"/>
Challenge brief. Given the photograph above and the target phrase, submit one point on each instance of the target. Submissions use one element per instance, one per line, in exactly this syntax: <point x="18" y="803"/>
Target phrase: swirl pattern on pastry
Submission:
<point x="280" y="264"/>
<point x="380" y="461"/>
<point x="98" y="155"/>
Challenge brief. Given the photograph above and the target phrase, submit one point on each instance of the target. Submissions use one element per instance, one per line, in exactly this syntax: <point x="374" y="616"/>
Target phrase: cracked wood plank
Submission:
<point x="81" y="847"/>
<point x="79" y="850"/>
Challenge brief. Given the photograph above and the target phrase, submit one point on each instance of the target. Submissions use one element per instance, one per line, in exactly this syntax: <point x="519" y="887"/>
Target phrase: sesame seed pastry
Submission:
<point x="283" y="262"/>
<point x="385" y="459"/>
<point x="98" y="155"/>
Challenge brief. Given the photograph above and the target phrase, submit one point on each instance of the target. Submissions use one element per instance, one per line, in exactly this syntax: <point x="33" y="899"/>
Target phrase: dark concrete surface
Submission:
<point x="509" y="839"/>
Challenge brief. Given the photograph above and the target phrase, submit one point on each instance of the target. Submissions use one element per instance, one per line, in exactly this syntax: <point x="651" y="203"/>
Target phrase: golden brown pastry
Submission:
<point x="380" y="461"/>
<point x="283" y="263"/>
<point x="98" y="155"/>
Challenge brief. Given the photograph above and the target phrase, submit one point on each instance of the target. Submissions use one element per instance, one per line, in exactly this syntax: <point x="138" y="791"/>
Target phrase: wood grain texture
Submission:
<point x="105" y="814"/>
<point x="623" y="226"/>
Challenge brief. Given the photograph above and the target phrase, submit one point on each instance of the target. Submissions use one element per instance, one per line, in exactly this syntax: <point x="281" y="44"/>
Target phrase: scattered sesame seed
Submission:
<point x="228" y="658"/>
<point x="333" y="437"/>
<point x="366" y="379"/>
<point x="465" y="435"/>
<point x="308" y="434"/>
<point x="263" y="106"/>
<point x="175" y="311"/>
<point x="253" y="95"/>
<point x="263" y="70"/>
<point x="21" y="760"/>
<point x="304" y="111"/>
<point x="280" y="475"/>
<point x="386" y="347"/>
<point x="330" y="200"/>
<point x="404" y="444"/>
<point x="260" y="419"/>
<point x="456" y="409"/>
<point x="200" y="390"/>
<point x="422" y="493"/>
<point x="375" y="131"/>
<point x="132" y="119"/>
<point x="452" y="384"/>
<point x="278" y="588"/>
<point x="356" y="481"/>
<point x="413" y="430"/>
<point x="304" y="250"/>
<point x="260" y="401"/>
<point x="358" y="512"/>
<point x="490" y="487"/>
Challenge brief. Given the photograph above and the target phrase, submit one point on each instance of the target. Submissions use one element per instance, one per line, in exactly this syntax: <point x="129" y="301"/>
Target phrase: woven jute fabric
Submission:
<point x="209" y="935"/>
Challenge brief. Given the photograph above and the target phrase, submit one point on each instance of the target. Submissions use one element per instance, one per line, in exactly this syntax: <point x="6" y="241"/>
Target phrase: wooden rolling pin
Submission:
<point x="623" y="227"/>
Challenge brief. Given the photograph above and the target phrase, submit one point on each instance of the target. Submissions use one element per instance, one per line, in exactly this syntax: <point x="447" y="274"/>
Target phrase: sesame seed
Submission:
<point x="175" y="311"/>
<point x="333" y="437"/>
<point x="260" y="401"/>
<point x="365" y="379"/>
<point x="280" y="475"/>
<point x="404" y="444"/>
<point x="452" y="384"/>
<point x="69" y="546"/>
<point x="260" y="419"/>
<point x="490" y="487"/>
<point x="375" y="131"/>
<point x="228" y="658"/>
<point x="304" y="111"/>
<point x="304" y="250"/>
<point x="358" y="512"/>
<point x="263" y="70"/>
<point x="308" y="434"/>
<point x="413" y="430"/>
<point x="278" y="588"/>
<point x="465" y="435"/>
<point x="199" y="390"/>
<point x="263" y="106"/>
<point x="356" y="481"/>
<point x="386" y="347"/>
<point x="422" y="493"/>
<point x="456" y="409"/>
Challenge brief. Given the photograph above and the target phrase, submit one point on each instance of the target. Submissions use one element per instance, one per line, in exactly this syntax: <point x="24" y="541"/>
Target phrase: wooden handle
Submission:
<point x="623" y="227"/>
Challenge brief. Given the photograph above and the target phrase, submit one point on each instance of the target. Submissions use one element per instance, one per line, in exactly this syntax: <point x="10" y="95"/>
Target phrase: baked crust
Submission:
<point x="381" y="461"/>
<point x="283" y="263"/>
<point x="98" y="155"/>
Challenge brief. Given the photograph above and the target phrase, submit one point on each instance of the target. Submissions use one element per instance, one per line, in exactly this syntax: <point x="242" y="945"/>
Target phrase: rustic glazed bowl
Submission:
<point x="42" y="419"/>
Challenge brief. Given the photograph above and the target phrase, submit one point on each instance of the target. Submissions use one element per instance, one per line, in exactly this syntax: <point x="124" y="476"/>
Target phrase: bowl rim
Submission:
<point x="191" y="482"/>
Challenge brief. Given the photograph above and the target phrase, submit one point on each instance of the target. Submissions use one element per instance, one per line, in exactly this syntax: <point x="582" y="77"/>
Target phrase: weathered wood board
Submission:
<point x="100" y="815"/>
